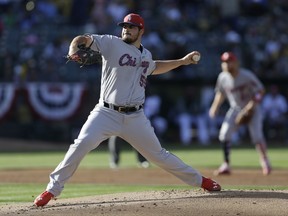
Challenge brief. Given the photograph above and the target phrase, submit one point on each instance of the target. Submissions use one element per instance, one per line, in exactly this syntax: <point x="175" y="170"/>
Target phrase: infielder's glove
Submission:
<point x="85" y="56"/>
<point x="244" y="116"/>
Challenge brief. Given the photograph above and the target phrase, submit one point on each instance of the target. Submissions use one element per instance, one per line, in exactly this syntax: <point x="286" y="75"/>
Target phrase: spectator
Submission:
<point x="275" y="112"/>
<point x="191" y="118"/>
<point x="1" y="27"/>
<point x="152" y="109"/>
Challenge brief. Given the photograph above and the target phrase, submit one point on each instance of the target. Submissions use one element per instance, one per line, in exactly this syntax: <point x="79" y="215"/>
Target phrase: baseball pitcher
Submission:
<point x="126" y="63"/>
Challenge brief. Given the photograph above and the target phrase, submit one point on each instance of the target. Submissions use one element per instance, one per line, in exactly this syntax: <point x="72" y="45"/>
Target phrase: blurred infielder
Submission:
<point x="244" y="92"/>
<point x="126" y="65"/>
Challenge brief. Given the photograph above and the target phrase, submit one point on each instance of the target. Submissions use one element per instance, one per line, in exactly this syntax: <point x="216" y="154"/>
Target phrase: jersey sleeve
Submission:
<point x="102" y="43"/>
<point x="256" y="83"/>
<point x="152" y="66"/>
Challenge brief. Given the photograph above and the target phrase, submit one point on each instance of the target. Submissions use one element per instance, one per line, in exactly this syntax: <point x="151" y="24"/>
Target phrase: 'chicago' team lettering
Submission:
<point x="127" y="60"/>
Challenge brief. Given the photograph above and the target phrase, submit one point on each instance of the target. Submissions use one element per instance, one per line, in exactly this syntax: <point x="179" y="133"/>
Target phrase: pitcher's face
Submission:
<point x="131" y="33"/>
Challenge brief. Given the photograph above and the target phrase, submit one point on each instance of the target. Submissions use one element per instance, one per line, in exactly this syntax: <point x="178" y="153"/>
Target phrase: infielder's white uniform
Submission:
<point x="124" y="72"/>
<point x="239" y="91"/>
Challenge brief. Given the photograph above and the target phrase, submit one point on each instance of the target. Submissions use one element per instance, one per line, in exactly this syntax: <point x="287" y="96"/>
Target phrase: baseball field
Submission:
<point x="95" y="189"/>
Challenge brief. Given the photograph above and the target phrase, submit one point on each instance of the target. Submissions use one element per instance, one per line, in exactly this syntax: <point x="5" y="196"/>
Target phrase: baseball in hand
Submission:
<point x="196" y="57"/>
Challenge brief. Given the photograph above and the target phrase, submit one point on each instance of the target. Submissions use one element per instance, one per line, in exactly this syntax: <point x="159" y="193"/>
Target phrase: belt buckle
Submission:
<point x="122" y="109"/>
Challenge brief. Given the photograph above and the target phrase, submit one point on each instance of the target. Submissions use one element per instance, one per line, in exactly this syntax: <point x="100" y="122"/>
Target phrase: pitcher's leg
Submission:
<point x="141" y="136"/>
<point x="174" y="165"/>
<point x="91" y="135"/>
<point x="68" y="166"/>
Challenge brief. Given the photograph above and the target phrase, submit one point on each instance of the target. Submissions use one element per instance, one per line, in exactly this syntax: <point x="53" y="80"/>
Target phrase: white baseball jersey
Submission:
<point x="238" y="90"/>
<point x="127" y="70"/>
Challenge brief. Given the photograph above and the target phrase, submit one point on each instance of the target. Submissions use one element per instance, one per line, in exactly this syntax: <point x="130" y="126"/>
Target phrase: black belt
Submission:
<point x="122" y="109"/>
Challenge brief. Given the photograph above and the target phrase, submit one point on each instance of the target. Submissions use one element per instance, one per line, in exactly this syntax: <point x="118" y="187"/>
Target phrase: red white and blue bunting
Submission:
<point x="55" y="101"/>
<point x="7" y="98"/>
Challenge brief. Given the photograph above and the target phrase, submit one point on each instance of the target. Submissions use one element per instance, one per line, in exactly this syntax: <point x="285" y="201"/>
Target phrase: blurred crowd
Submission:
<point x="35" y="35"/>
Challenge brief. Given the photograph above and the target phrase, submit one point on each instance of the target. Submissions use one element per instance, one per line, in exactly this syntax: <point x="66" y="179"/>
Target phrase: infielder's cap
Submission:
<point x="133" y="19"/>
<point x="228" y="56"/>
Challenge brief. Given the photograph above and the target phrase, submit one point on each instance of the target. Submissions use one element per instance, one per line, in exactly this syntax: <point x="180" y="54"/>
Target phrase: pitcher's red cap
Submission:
<point x="228" y="56"/>
<point x="133" y="19"/>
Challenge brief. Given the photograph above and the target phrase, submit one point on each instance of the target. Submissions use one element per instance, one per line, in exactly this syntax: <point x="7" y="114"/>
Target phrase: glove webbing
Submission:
<point x="83" y="47"/>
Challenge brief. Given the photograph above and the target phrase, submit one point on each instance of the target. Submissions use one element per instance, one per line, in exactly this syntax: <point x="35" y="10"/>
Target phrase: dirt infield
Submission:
<point x="173" y="202"/>
<point x="232" y="202"/>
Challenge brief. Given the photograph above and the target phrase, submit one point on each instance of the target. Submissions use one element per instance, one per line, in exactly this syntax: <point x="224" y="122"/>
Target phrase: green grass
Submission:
<point x="198" y="157"/>
<point x="13" y="193"/>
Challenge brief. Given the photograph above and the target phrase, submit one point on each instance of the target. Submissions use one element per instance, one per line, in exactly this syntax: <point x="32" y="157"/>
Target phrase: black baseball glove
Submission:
<point x="85" y="56"/>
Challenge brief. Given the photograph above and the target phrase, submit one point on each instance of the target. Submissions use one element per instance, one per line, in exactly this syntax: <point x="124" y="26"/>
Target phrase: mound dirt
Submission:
<point x="172" y="202"/>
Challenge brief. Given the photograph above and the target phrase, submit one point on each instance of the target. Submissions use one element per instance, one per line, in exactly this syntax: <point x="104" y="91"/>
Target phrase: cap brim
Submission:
<point x="130" y="23"/>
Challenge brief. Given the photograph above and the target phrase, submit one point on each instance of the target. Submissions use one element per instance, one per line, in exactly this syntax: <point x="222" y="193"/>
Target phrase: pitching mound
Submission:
<point x="173" y="202"/>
